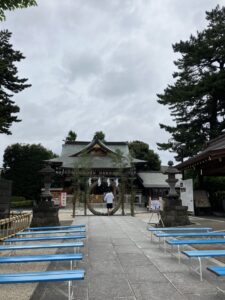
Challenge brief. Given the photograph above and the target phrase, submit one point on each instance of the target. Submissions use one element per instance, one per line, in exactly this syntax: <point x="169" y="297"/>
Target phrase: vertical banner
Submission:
<point x="63" y="199"/>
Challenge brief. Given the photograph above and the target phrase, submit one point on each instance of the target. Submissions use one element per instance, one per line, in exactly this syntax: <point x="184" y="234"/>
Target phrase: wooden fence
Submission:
<point x="15" y="223"/>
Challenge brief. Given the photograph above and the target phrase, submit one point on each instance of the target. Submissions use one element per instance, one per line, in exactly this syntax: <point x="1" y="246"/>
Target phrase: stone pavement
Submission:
<point x="122" y="263"/>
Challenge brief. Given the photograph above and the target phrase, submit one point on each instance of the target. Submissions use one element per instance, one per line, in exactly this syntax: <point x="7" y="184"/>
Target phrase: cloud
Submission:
<point x="98" y="65"/>
<point x="82" y="65"/>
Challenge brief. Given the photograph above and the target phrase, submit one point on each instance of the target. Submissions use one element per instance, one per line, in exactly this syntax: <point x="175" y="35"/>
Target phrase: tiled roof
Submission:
<point x="214" y="149"/>
<point x="156" y="179"/>
<point x="68" y="158"/>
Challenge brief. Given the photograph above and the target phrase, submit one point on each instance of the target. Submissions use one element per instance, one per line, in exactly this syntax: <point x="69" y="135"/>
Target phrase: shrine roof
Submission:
<point x="74" y="148"/>
<point x="214" y="149"/>
<point x="71" y="155"/>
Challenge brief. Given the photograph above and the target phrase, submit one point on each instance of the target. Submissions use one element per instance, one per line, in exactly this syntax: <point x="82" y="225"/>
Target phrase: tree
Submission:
<point x="21" y="164"/>
<point x="140" y="150"/>
<point x="10" y="83"/>
<point x="13" y="4"/>
<point x="71" y="137"/>
<point x="197" y="98"/>
<point x="100" y="135"/>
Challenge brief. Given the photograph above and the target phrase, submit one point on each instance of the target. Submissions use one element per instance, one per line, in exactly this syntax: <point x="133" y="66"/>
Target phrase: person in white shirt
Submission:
<point x="108" y="198"/>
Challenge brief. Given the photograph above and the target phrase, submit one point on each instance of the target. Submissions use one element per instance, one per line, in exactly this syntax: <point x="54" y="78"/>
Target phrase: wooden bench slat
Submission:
<point x="45" y="238"/>
<point x="204" y="253"/>
<point x="189" y="234"/>
<point x="51" y="232"/>
<point x="190" y="242"/>
<point x="42" y="246"/>
<point x="39" y="258"/>
<point x="53" y="227"/>
<point x="60" y="275"/>
<point x="180" y="229"/>
<point x="218" y="270"/>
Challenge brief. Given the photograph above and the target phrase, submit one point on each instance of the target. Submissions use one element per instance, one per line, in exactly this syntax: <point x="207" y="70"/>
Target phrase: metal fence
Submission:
<point x="15" y="223"/>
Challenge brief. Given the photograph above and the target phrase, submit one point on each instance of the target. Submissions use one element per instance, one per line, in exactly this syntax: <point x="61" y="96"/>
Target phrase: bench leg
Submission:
<point x="70" y="290"/>
<point x="178" y="250"/>
<point x="198" y="269"/>
<point x="164" y="246"/>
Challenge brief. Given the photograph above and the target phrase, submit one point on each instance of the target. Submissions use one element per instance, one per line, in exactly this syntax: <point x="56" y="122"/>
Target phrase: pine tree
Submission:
<point x="10" y="83"/>
<point x="100" y="135"/>
<point x="140" y="150"/>
<point x="71" y="136"/>
<point x="197" y="98"/>
<point x="13" y="4"/>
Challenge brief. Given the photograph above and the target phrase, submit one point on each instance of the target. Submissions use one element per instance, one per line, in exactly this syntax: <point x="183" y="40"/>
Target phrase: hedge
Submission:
<point x="25" y="203"/>
<point x="17" y="199"/>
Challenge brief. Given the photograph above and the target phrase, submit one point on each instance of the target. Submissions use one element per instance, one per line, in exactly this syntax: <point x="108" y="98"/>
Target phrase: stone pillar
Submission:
<point x="173" y="214"/>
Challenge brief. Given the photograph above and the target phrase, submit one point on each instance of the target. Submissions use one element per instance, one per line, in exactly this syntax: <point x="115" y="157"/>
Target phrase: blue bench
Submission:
<point x="179" y="243"/>
<point x="51" y="232"/>
<point x="53" y="227"/>
<point x="173" y="229"/>
<point x="199" y="254"/>
<point x="51" y="238"/>
<point x="189" y="234"/>
<point x="42" y="258"/>
<point x="218" y="270"/>
<point x="41" y="246"/>
<point x="180" y="229"/>
<point x="61" y="275"/>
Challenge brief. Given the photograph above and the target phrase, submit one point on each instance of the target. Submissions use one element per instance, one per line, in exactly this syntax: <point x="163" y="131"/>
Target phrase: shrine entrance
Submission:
<point x="95" y="196"/>
<point x="88" y="169"/>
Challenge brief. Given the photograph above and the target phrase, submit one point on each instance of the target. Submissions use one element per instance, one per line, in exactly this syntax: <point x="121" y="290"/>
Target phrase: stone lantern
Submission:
<point x="173" y="214"/>
<point x="47" y="174"/>
<point x="173" y="197"/>
<point x="44" y="212"/>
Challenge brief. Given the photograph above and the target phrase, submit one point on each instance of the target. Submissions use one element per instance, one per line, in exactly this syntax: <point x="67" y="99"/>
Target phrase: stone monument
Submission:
<point x="44" y="212"/>
<point x="173" y="214"/>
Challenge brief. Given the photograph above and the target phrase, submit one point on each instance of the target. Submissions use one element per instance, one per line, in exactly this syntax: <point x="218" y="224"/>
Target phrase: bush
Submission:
<point x="17" y="199"/>
<point x="24" y="203"/>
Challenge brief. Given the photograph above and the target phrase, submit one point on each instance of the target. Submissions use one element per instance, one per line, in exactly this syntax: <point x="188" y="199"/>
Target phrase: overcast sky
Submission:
<point x="98" y="65"/>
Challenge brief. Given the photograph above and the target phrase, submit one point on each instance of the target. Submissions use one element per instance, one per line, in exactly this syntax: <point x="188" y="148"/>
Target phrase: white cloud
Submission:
<point x="98" y="65"/>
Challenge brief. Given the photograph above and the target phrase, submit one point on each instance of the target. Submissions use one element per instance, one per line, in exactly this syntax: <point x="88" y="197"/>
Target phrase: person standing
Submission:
<point x="108" y="198"/>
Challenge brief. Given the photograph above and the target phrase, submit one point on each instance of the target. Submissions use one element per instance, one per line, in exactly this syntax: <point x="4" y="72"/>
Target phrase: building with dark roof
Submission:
<point x="210" y="161"/>
<point x="103" y="164"/>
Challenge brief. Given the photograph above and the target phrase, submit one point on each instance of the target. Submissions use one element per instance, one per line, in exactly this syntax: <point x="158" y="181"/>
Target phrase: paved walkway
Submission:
<point x="122" y="263"/>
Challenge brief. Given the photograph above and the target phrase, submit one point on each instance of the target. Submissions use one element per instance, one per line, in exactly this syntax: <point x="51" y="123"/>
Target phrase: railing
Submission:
<point x="15" y="223"/>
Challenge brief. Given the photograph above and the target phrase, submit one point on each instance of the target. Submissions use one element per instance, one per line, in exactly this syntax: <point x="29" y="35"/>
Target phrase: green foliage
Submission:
<point x="197" y="98"/>
<point x="140" y="150"/>
<point x="13" y="4"/>
<point x="10" y="83"/>
<point x="25" y="203"/>
<point x="17" y="199"/>
<point x="21" y="164"/>
<point x="100" y="135"/>
<point x="71" y="137"/>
